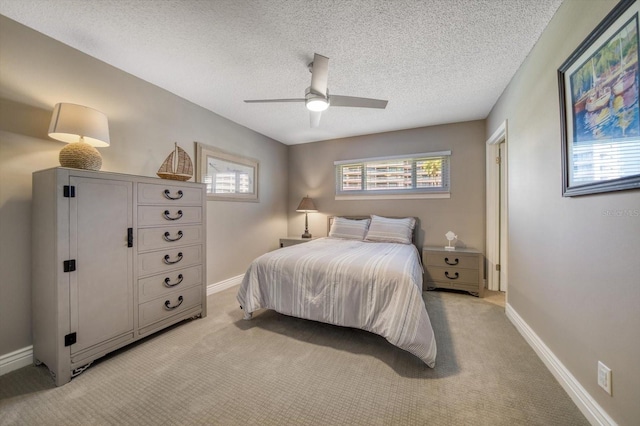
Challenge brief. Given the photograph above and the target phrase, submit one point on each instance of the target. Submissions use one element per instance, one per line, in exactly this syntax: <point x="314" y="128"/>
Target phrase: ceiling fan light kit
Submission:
<point x="315" y="102"/>
<point x="317" y="97"/>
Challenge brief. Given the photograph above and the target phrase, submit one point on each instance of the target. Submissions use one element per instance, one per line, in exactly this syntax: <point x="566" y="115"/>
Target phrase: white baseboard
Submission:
<point x="585" y="402"/>
<point x="223" y="285"/>
<point x="16" y="359"/>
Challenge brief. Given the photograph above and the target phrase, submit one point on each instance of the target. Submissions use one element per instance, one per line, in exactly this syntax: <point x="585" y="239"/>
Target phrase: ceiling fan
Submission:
<point x="317" y="98"/>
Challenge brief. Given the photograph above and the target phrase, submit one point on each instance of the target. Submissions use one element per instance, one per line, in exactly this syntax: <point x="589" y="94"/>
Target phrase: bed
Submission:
<point x="352" y="278"/>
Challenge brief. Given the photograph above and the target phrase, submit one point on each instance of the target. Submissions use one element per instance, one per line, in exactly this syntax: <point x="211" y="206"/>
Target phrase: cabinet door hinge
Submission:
<point x="70" y="339"/>
<point x="498" y="160"/>
<point x="69" y="191"/>
<point x="69" y="265"/>
<point x="497" y="267"/>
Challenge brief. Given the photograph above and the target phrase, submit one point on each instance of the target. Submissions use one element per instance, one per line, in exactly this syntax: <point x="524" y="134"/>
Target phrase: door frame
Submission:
<point x="497" y="224"/>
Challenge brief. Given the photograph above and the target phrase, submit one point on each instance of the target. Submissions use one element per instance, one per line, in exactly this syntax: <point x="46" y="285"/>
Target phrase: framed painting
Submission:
<point x="599" y="108"/>
<point x="228" y="177"/>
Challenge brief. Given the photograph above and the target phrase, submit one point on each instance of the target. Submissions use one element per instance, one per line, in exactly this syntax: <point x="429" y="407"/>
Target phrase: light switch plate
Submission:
<point x="604" y="377"/>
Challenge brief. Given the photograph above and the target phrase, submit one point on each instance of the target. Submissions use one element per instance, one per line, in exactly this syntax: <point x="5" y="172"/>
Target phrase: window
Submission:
<point x="236" y="182"/>
<point x="228" y="177"/>
<point x="409" y="176"/>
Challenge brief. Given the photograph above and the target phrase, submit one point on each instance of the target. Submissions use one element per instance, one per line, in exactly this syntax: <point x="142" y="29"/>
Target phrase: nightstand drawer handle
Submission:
<point x="446" y="260"/>
<point x="171" y="262"/>
<point x="167" y="213"/>
<point x="167" y="303"/>
<point x="446" y="274"/>
<point x="167" y="236"/>
<point x="167" y="195"/>
<point x="168" y="284"/>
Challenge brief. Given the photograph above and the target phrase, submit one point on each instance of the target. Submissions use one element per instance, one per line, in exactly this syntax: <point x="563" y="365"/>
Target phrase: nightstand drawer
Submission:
<point x="457" y="260"/>
<point x="451" y="275"/>
<point x="292" y="241"/>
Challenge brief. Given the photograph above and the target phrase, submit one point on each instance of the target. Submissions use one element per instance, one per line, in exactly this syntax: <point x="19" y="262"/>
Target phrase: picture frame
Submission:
<point x="599" y="114"/>
<point x="228" y="176"/>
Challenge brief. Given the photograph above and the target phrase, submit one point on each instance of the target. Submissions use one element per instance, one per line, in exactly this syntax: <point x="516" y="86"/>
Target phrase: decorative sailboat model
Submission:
<point x="177" y="166"/>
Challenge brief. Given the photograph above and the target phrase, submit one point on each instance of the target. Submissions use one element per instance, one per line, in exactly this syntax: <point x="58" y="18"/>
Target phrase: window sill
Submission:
<point x="360" y="197"/>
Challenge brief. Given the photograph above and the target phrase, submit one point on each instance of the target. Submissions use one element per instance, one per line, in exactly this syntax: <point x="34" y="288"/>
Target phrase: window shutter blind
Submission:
<point x="419" y="173"/>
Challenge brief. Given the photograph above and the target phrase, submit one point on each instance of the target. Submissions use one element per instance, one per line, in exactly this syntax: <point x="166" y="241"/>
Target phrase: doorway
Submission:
<point x="497" y="226"/>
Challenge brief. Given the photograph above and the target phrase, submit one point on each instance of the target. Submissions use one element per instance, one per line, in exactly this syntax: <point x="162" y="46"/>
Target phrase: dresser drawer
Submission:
<point x="168" y="237"/>
<point x="169" y="305"/>
<point x="168" y="194"/>
<point x="452" y="275"/>
<point x="447" y="260"/>
<point x="166" y="260"/>
<point x="162" y="284"/>
<point x="168" y="215"/>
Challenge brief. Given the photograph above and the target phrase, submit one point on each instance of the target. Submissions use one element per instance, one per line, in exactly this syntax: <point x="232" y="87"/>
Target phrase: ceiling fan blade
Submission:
<point x="351" y="101"/>
<point x="263" y="101"/>
<point x="315" y="118"/>
<point x="319" y="74"/>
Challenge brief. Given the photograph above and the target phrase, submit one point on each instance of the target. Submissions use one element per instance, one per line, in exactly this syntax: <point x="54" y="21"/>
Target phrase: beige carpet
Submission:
<point x="277" y="370"/>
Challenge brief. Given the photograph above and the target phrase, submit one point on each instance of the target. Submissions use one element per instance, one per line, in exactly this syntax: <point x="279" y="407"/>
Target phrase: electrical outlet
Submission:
<point x="604" y="377"/>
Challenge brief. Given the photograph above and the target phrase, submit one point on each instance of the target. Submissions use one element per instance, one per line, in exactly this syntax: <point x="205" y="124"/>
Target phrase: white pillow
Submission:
<point x="384" y="229"/>
<point x="350" y="229"/>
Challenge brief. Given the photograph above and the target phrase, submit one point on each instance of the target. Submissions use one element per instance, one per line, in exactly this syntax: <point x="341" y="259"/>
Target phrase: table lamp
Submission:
<point x="306" y="206"/>
<point x="83" y="129"/>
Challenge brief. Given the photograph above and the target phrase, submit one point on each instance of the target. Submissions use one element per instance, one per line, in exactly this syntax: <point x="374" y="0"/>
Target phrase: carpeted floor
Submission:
<point x="278" y="370"/>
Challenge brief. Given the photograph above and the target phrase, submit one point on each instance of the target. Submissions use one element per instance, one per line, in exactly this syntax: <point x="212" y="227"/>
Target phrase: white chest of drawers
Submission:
<point x="115" y="258"/>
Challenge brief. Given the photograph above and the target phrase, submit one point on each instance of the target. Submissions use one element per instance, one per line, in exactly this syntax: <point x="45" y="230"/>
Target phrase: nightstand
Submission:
<point x="459" y="269"/>
<point x="292" y="241"/>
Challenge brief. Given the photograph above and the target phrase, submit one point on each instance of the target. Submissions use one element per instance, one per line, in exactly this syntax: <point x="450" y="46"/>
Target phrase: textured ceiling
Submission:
<point x="436" y="61"/>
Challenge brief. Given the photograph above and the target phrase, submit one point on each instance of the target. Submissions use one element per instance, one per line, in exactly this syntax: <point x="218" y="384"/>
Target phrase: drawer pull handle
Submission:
<point x="167" y="236"/>
<point x="167" y="213"/>
<point x="446" y="274"/>
<point x="168" y="284"/>
<point x="171" y="262"/>
<point x="446" y="260"/>
<point x="167" y="195"/>
<point x="167" y="304"/>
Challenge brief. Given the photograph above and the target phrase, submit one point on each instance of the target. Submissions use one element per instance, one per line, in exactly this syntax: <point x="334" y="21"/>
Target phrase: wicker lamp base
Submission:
<point x="80" y="155"/>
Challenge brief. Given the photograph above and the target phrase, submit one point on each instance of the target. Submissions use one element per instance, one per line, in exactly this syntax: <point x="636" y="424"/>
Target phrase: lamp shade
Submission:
<point x="306" y="206"/>
<point x="70" y="123"/>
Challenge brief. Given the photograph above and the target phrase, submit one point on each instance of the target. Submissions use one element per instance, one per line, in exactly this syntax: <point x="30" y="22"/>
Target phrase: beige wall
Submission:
<point x="311" y="171"/>
<point x="36" y="72"/>
<point x="574" y="271"/>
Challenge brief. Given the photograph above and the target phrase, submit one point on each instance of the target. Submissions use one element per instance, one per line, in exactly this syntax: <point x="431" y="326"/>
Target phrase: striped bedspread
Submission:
<point x="372" y="286"/>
